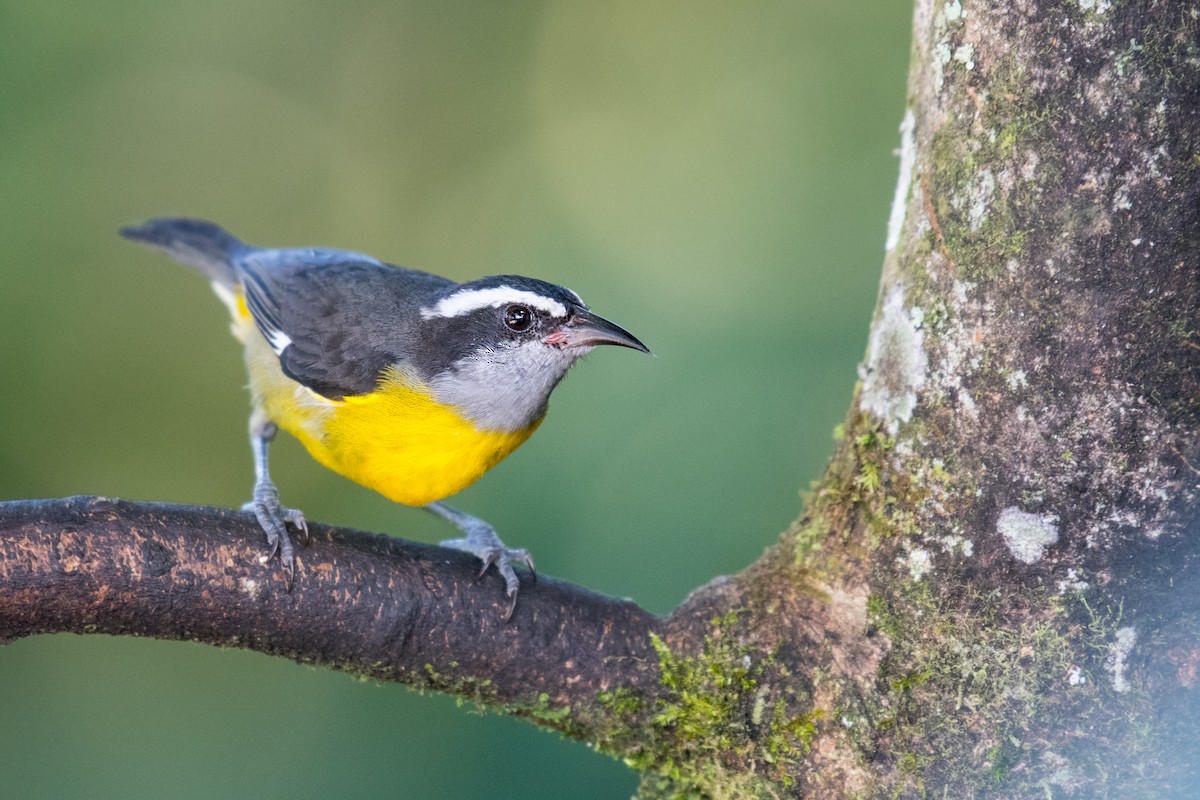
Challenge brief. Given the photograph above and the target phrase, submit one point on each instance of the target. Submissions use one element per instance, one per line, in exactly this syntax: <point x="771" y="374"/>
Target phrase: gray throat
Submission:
<point x="505" y="389"/>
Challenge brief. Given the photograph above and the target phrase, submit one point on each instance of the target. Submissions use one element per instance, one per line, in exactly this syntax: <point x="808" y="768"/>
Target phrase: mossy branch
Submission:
<point x="367" y="604"/>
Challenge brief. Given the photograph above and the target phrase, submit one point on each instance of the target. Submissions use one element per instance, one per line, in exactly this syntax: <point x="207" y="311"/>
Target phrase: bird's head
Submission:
<point x="495" y="348"/>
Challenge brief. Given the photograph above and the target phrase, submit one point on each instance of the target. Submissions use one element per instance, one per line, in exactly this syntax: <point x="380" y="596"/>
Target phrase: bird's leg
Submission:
<point x="482" y="542"/>
<point x="272" y="515"/>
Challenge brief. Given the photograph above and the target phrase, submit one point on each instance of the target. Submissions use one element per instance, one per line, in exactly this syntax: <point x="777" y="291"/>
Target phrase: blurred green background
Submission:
<point x="714" y="176"/>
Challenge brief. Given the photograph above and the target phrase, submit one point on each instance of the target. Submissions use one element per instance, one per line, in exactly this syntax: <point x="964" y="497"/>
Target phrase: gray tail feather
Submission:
<point x="199" y="244"/>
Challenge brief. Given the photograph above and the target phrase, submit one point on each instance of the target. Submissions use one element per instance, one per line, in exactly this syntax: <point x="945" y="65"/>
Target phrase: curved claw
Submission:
<point x="512" y="604"/>
<point x="511" y="583"/>
<point x="488" y="558"/>
<point x="295" y="518"/>
<point x="289" y="568"/>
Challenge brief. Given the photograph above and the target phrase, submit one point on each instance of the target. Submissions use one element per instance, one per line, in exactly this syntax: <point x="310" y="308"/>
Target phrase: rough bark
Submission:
<point x="995" y="589"/>
<point x="369" y="604"/>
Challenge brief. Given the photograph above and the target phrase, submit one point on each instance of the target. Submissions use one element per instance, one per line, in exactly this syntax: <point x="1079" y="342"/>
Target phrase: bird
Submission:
<point x="403" y="381"/>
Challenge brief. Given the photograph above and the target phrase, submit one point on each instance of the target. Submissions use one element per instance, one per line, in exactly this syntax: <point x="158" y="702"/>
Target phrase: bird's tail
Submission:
<point x="199" y="244"/>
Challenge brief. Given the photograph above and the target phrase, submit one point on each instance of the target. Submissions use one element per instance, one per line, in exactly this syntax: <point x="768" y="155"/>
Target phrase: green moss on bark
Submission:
<point x="717" y="726"/>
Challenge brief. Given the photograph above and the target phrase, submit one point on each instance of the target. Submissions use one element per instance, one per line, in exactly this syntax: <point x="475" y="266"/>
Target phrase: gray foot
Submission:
<point x="274" y="518"/>
<point x="482" y="542"/>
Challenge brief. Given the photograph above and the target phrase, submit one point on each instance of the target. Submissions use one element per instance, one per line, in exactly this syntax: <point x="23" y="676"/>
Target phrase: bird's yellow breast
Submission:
<point x="396" y="440"/>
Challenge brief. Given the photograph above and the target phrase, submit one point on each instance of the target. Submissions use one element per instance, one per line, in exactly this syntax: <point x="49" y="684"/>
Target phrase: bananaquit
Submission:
<point x="408" y="383"/>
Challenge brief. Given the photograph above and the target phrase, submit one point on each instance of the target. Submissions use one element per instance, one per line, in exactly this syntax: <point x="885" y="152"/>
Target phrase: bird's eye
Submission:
<point x="518" y="318"/>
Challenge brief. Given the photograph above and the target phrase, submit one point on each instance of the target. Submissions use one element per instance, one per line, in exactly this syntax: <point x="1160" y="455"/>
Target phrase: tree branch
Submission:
<point x="368" y="604"/>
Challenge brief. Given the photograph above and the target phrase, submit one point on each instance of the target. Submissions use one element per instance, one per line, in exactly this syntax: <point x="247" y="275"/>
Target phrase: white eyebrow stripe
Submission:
<point x="467" y="300"/>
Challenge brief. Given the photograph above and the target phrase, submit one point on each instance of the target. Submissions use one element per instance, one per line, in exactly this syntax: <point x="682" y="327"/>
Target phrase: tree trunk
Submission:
<point x="995" y="589"/>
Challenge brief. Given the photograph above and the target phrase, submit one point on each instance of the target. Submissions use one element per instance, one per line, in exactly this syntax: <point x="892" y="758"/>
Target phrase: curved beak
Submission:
<point x="585" y="329"/>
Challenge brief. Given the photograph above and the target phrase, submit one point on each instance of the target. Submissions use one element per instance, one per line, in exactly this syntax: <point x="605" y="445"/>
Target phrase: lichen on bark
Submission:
<point x="1045" y="266"/>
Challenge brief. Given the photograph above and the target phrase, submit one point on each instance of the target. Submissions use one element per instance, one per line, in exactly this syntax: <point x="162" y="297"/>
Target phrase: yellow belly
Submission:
<point x="396" y="440"/>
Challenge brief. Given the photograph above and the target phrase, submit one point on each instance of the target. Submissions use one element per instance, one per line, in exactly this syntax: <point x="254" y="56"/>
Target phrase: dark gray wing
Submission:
<point x="335" y="319"/>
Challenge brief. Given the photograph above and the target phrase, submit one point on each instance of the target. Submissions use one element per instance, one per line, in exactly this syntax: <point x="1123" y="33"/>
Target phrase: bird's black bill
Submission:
<point x="586" y="328"/>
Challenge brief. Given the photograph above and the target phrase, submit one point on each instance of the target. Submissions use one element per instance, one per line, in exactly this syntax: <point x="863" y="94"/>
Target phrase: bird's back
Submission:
<point x="335" y="319"/>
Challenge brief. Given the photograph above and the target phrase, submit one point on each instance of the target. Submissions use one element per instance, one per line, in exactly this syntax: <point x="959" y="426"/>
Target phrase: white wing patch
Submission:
<point x="468" y="300"/>
<point x="279" y="341"/>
